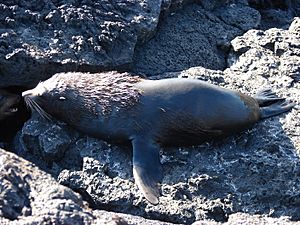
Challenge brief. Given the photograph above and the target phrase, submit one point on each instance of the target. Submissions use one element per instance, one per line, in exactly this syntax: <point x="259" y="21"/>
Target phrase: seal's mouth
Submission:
<point x="26" y="94"/>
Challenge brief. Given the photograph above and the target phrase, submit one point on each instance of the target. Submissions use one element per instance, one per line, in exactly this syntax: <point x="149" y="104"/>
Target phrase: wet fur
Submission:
<point x="110" y="90"/>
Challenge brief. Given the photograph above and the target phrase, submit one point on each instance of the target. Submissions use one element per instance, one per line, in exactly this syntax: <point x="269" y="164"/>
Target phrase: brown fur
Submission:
<point x="110" y="90"/>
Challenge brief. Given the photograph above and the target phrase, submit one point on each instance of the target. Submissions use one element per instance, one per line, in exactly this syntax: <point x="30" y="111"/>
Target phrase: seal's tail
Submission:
<point x="276" y="108"/>
<point x="266" y="97"/>
<point x="270" y="104"/>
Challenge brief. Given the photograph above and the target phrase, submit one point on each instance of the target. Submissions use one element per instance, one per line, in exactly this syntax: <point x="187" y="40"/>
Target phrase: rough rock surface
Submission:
<point x="31" y="196"/>
<point x="276" y="13"/>
<point x="246" y="219"/>
<point x="43" y="37"/>
<point x="251" y="177"/>
<point x="194" y="36"/>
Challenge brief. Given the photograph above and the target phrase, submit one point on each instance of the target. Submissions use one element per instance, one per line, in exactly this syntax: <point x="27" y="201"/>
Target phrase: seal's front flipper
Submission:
<point x="276" y="108"/>
<point x="266" y="97"/>
<point x="147" y="170"/>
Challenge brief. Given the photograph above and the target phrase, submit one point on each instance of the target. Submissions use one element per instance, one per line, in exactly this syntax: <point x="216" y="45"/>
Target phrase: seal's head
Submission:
<point x="74" y="95"/>
<point x="8" y="104"/>
<point x="40" y="98"/>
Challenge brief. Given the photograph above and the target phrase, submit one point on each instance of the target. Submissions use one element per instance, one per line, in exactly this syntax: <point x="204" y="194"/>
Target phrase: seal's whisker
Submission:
<point x="30" y="104"/>
<point x="41" y="111"/>
<point x="34" y="105"/>
<point x="27" y="103"/>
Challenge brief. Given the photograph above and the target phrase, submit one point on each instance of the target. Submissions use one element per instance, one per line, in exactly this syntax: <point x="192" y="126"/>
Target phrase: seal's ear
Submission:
<point x="147" y="170"/>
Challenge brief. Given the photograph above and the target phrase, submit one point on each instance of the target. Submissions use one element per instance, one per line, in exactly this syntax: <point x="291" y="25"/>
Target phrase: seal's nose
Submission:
<point x="26" y="93"/>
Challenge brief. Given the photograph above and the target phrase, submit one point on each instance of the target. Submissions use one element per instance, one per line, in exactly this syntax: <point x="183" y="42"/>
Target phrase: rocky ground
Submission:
<point x="68" y="178"/>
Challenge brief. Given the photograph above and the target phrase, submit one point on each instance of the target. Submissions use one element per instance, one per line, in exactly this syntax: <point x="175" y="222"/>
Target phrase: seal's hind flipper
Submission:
<point x="276" y="108"/>
<point x="266" y="97"/>
<point x="147" y="169"/>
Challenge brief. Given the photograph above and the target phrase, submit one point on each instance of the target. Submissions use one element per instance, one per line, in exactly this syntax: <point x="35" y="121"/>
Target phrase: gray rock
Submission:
<point x="30" y="196"/>
<point x="276" y="13"/>
<point x="247" y="219"/>
<point x="194" y="36"/>
<point x="171" y="6"/>
<point x="50" y="139"/>
<point x="275" y="18"/>
<point x="244" y="18"/>
<point x="273" y="48"/>
<point x="244" y="218"/>
<point x="39" y="38"/>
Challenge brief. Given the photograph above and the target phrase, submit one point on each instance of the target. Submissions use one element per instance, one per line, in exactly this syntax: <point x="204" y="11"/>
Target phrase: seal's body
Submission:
<point x="149" y="113"/>
<point x="187" y="111"/>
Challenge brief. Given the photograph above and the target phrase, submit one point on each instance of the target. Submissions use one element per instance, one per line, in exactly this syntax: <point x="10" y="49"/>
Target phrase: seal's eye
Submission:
<point x="61" y="98"/>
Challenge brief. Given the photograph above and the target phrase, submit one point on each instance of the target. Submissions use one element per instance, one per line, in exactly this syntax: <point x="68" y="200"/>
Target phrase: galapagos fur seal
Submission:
<point x="149" y="113"/>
